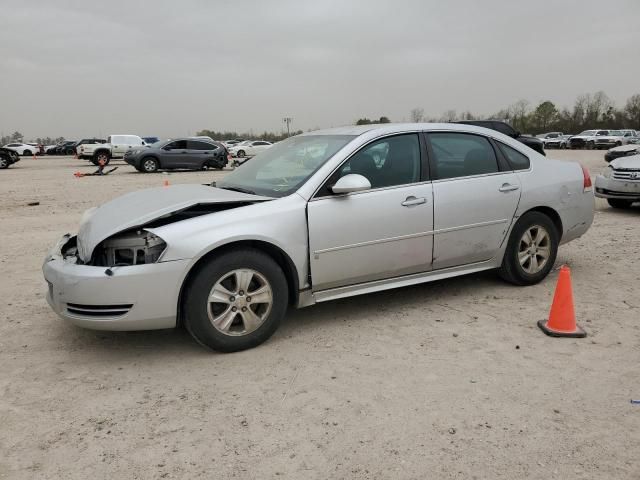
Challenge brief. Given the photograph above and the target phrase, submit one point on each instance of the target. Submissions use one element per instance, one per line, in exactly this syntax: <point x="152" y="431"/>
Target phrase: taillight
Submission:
<point x="586" y="184"/>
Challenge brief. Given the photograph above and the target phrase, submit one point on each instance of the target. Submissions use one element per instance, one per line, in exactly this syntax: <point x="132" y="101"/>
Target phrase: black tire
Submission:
<point x="618" y="144"/>
<point x="26" y="153"/>
<point x="149" y="165"/>
<point x="101" y="155"/>
<point x="4" y="162"/>
<point x="511" y="270"/>
<point x="240" y="154"/>
<point x="197" y="309"/>
<point x="590" y="145"/>
<point x="619" y="203"/>
<point x="215" y="164"/>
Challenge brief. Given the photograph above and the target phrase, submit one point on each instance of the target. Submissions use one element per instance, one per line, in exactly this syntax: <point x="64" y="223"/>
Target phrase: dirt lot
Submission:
<point x="444" y="380"/>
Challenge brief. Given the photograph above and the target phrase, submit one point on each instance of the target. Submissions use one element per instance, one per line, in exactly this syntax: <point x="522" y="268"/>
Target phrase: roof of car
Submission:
<point x="395" y="127"/>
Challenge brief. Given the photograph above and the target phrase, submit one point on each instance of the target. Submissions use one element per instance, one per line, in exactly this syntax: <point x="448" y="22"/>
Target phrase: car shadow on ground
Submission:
<point x="177" y="341"/>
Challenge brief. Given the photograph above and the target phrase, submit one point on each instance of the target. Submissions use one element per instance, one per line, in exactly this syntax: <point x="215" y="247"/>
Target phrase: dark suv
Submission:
<point x="508" y="130"/>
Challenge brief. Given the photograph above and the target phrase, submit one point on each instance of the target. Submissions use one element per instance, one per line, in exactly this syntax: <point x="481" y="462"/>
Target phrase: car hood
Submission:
<point x="630" y="162"/>
<point x="625" y="148"/>
<point x="136" y="209"/>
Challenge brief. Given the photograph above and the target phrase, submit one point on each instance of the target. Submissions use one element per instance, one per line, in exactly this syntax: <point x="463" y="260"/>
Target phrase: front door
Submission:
<point x="474" y="198"/>
<point x="379" y="233"/>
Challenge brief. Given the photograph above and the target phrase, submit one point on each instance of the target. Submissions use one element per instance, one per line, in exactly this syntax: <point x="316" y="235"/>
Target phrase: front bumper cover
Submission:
<point x="139" y="297"/>
<point x="612" y="188"/>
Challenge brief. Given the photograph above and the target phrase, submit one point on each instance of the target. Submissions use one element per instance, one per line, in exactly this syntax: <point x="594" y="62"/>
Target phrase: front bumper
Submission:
<point x="139" y="297"/>
<point x="612" y="188"/>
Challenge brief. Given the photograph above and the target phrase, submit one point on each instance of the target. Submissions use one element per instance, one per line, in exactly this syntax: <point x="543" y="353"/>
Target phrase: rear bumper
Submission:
<point x="612" y="188"/>
<point x="141" y="297"/>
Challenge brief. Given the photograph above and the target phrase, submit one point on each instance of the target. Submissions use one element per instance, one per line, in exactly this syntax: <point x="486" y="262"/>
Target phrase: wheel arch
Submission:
<point x="276" y="253"/>
<point x="552" y="214"/>
<point x="98" y="151"/>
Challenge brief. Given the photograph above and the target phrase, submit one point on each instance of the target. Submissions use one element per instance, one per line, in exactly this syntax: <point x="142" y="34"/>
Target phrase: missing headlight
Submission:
<point x="137" y="247"/>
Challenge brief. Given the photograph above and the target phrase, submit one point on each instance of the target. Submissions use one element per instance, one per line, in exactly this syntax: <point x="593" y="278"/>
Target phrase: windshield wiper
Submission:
<point x="239" y="189"/>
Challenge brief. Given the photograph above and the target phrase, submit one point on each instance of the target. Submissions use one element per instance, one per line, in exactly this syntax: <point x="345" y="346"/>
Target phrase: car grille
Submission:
<point x="627" y="175"/>
<point x="98" y="310"/>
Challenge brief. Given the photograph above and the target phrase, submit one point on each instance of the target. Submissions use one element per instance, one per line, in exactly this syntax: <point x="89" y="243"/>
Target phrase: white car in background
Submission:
<point x="22" y="148"/>
<point x="249" y="148"/>
<point x="620" y="182"/>
<point x="551" y="139"/>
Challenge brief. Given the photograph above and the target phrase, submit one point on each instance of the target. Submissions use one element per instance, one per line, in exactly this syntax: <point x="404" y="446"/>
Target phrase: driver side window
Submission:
<point x="386" y="162"/>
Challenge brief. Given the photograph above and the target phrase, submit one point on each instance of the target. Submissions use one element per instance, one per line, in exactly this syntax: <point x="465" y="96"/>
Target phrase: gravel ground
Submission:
<point x="445" y="380"/>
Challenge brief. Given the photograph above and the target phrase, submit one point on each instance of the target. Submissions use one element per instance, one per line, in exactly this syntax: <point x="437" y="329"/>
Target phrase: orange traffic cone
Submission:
<point x="562" y="318"/>
<point x="166" y="183"/>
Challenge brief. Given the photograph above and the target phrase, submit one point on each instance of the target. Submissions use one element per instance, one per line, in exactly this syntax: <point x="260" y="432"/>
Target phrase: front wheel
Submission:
<point x="236" y="301"/>
<point x="590" y="145"/>
<point x="619" y="203"/>
<point x="531" y="250"/>
<point x="241" y="153"/>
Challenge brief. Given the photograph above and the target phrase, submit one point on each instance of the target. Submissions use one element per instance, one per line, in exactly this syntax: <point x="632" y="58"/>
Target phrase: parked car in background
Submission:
<point x="506" y="129"/>
<point x="551" y="139"/>
<point x="68" y="147"/>
<point x="179" y="153"/>
<point x="48" y="149"/>
<point x="79" y="146"/>
<point x="614" y="138"/>
<point x="8" y="157"/>
<point x="564" y="141"/>
<point x="38" y="148"/>
<point x="622" y="151"/>
<point x="21" y="148"/>
<point x="231" y="143"/>
<point x="249" y="148"/>
<point x="317" y="217"/>
<point x="150" y="140"/>
<point x="115" y="147"/>
<point x="620" y="183"/>
<point x="586" y="139"/>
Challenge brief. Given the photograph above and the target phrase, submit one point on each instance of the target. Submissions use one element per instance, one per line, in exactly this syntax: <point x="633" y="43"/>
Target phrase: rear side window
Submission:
<point x="196" y="145"/>
<point x="517" y="160"/>
<point x="461" y="155"/>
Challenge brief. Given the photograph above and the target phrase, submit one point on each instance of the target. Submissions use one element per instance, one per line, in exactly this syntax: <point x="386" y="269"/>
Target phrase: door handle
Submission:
<point x="507" y="187"/>
<point x="410" y="201"/>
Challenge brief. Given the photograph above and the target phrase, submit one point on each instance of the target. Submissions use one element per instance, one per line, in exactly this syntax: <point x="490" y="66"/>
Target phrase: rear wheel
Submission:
<point x="241" y="154"/>
<point x="26" y="153"/>
<point x="531" y="250"/>
<point x="590" y="145"/>
<point x="101" y="158"/>
<point x="619" y="203"/>
<point x="236" y="301"/>
<point x="4" y="162"/>
<point x="149" y="165"/>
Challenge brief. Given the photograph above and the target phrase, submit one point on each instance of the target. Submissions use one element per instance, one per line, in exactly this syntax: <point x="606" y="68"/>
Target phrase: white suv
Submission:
<point x="116" y="147"/>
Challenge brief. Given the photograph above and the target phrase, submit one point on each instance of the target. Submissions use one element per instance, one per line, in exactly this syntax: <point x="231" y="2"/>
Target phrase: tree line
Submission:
<point x="589" y="111"/>
<point x="230" y="135"/>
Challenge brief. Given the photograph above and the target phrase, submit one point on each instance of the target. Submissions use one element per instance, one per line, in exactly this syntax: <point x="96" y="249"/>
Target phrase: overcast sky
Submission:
<point x="84" y="68"/>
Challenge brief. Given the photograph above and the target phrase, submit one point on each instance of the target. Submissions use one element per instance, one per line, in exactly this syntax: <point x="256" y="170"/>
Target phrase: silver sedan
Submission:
<point x="320" y="216"/>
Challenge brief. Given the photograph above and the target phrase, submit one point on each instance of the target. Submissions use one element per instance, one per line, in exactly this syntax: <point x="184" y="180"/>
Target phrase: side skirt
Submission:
<point x="308" y="298"/>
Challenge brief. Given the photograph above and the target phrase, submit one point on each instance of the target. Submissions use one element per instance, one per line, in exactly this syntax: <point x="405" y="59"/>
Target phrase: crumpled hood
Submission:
<point x="630" y="162"/>
<point x="138" y="208"/>
<point x="625" y="148"/>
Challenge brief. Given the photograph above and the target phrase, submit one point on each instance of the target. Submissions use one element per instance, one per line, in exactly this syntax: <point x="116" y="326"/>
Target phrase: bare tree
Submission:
<point x="417" y="115"/>
<point x="449" y="116"/>
<point x="632" y="111"/>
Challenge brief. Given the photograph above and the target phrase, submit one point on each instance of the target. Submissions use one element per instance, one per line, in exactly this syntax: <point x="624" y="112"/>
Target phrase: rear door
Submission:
<point x="200" y="153"/>
<point x="475" y="196"/>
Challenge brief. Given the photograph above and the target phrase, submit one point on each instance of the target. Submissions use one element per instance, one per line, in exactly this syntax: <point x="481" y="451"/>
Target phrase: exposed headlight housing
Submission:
<point x="608" y="172"/>
<point x="137" y="247"/>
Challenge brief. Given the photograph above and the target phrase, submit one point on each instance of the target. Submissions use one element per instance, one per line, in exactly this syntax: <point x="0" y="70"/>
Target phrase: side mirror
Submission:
<point x="351" y="183"/>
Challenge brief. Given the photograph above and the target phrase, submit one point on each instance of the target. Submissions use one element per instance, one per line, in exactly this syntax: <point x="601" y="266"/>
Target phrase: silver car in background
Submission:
<point x="320" y="216"/>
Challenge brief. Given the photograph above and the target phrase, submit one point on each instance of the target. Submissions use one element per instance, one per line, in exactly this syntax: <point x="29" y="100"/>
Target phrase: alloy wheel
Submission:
<point x="535" y="249"/>
<point x="240" y="302"/>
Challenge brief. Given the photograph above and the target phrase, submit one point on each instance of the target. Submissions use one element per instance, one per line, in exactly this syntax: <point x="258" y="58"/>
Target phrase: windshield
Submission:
<point x="283" y="168"/>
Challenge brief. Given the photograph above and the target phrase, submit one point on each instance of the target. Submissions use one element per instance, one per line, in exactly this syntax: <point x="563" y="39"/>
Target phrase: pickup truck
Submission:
<point x="116" y="147"/>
